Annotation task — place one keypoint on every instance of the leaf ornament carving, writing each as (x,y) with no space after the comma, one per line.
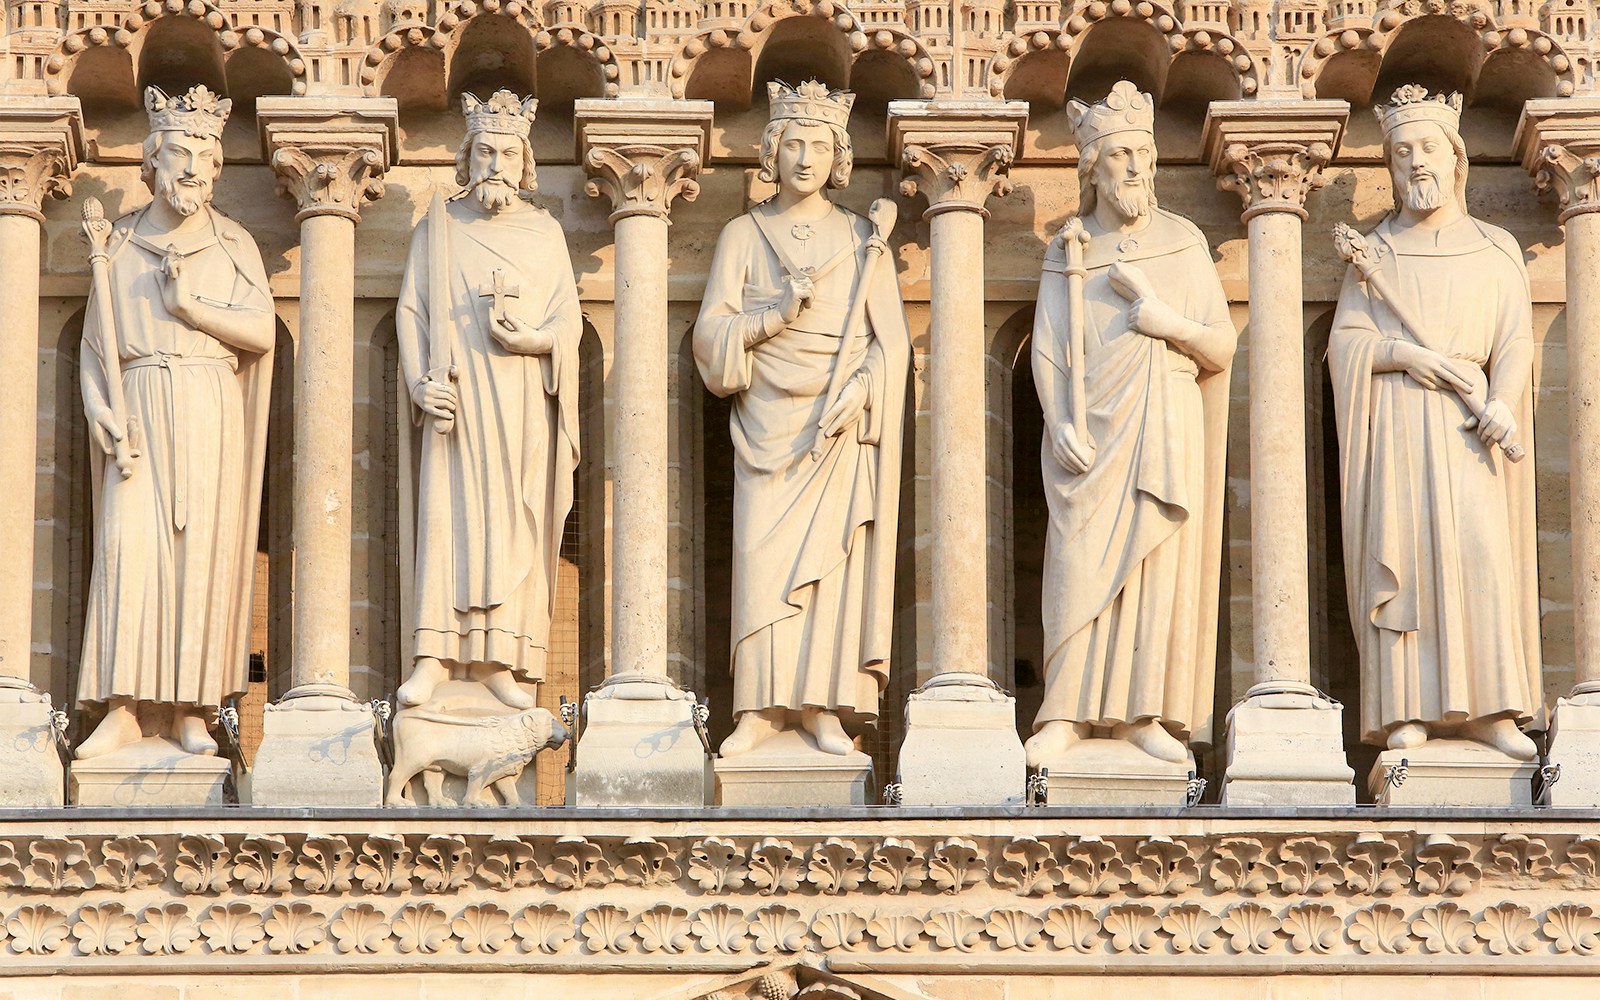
(1583,860)
(1072,928)
(1192,928)
(263,864)
(10,867)
(361,929)
(483,928)
(106,929)
(897,866)
(839,929)
(166,930)
(901,931)
(1379,929)
(777,928)
(1012,928)
(232,928)
(663,928)
(1444,867)
(954,929)
(1029,868)
(1445,929)
(444,863)
(647,862)
(544,928)
(1517,854)
(1376,866)
(293,928)
(1239,865)
(606,928)
(508,864)
(384,864)
(955,864)
(39,929)
(202,865)
(130,863)
(720,928)
(717,865)
(1507,929)
(1251,928)
(1307,867)
(1166,866)
(420,928)
(326,864)
(58,864)
(1312,927)
(1574,928)
(774,867)
(1132,927)
(836,867)
(1094,868)
(575,863)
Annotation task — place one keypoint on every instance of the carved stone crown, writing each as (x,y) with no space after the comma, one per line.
(199,113)
(811,101)
(1413,103)
(1125,109)
(503,113)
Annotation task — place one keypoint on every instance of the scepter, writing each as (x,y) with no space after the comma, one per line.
(98,231)
(441,363)
(1355,249)
(882,213)
(1074,238)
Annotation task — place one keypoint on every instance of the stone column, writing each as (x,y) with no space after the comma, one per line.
(639,746)
(329,155)
(41,141)
(961,745)
(1285,739)
(1558,141)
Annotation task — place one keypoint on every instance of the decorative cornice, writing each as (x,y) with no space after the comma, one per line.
(956,153)
(1558,142)
(41,142)
(643,154)
(330,154)
(1271,153)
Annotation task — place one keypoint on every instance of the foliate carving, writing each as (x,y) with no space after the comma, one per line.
(543,928)
(1574,929)
(30,173)
(1274,176)
(1029,868)
(1239,865)
(202,865)
(1132,927)
(106,929)
(1445,929)
(777,928)
(897,866)
(384,864)
(1072,928)
(1094,868)
(484,928)
(58,864)
(1167,867)
(1517,854)
(898,931)
(420,928)
(719,928)
(836,867)
(575,863)
(507,864)
(647,862)
(263,864)
(10,867)
(774,867)
(955,864)
(130,863)
(293,928)
(607,929)
(839,929)
(957,176)
(717,865)
(1312,927)
(326,864)
(443,863)
(663,928)
(1251,928)
(1583,859)
(361,929)
(1507,929)
(1307,867)
(329,179)
(1444,867)
(167,929)
(1379,929)
(1192,928)
(1376,866)
(233,928)
(1572,171)
(1011,928)
(955,929)
(641,179)
(39,929)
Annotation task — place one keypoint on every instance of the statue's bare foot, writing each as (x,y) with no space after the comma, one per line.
(753,729)
(502,684)
(427,674)
(1502,733)
(190,732)
(119,728)
(1152,737)
(1408,736)
(828,731)
(1053,739)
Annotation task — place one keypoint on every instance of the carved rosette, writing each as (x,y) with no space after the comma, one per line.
(957,176)
(1274,176)
(329,179)
(642,179)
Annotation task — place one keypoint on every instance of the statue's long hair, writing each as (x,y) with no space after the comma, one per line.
(843,154)
(526,184)
(1088,159)
(1456,143)
(152,145)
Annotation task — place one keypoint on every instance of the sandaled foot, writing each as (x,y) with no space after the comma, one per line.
(1503,735)
(1053,739)
(1152,737)
(1407,736)
(427,674)
(189,732)
(752,730)
(828,731)
(502,684)
(119,728)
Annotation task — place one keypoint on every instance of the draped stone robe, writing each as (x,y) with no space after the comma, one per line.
(1133,548)
(813,541)
(492,494)
(168,616)
(1440,562)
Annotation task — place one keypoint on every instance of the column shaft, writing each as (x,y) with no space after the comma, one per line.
(1583,382)
(639,498)
(19,359)
(957,413)
(1278,554)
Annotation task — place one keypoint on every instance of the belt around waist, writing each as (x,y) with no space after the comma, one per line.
(176,361)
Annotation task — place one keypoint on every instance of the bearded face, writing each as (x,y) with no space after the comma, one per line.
(185,169)
(1422,165)
(1124,174)
(495,164)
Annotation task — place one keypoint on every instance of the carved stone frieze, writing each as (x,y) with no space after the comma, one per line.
(330,155)
(41,142)
(1558,143)
(1272,153)
(956,153)
(643,154)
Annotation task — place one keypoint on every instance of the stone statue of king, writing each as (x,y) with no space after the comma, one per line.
(1432,356)
(1131,347)
(816,358)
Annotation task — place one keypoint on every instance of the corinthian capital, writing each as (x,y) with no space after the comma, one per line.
(956,153)
(1558,142)
(330,154)
(41,141)
(1272,152)
(643,154)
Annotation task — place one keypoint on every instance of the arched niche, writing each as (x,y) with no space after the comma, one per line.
(1438,52)
(1119,48)
(491,52)
(176,53)
(721,75)
(1040,78)
(798,49)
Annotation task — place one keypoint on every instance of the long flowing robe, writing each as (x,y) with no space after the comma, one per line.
(492,495)
(1439,550)
(1134,545)
(813,541)
(168,616)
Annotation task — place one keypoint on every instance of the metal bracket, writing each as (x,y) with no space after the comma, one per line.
(383,731)
(1193,790)
(569,718)
(1037,787)
(1395,775)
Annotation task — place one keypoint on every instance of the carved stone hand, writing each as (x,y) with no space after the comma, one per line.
(520,337)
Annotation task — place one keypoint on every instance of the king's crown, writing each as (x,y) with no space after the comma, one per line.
(1412,102)
(1125,109)
(199,113)
(504,113)
(811,101)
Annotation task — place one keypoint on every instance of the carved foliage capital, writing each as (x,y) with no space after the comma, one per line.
(329,178)
(1572,170)
(957,176)
(30,172)
(1274,176)
(642,179)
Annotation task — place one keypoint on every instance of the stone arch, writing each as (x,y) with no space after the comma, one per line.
(725,65)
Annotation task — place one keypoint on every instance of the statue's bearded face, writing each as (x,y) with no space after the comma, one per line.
(185,168)
(1124,173)
(495,164)
(805,157)
(1422,164)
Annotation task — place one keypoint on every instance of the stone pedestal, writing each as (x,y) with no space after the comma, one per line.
(1575,745)
(789,770)
(1287,749)
(1105,772)
(151,772)
(1454,773)
(317,748)
(30,764)
(961,745)
(639,748)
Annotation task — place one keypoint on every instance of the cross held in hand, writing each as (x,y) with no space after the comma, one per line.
(498,291)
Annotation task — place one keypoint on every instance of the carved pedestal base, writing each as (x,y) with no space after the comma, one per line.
(1287,749)
(1106,772)
(639,748)
(961,745)
(789,770)
(317,749)
(1453,773)
(151,772)
(1575,745)
(30,766)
